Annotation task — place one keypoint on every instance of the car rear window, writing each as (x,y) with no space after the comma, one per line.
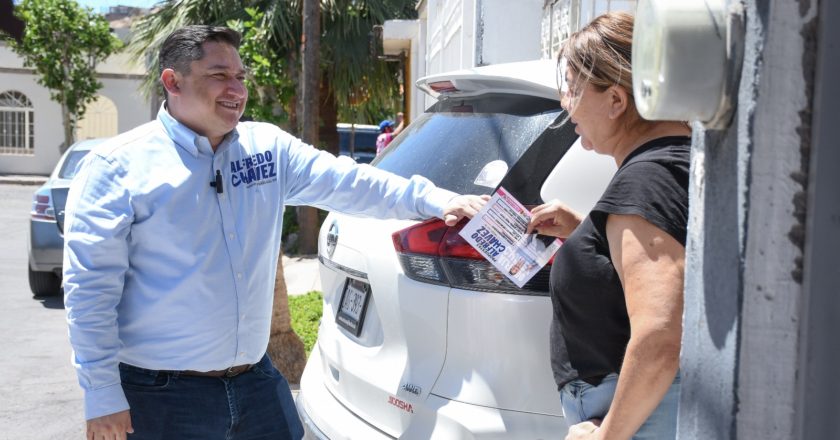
(71,164)
(455,139)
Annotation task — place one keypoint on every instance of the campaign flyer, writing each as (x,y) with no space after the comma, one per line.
(498,233)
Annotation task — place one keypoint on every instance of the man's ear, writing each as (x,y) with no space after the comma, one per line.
(619,100)
(171,81)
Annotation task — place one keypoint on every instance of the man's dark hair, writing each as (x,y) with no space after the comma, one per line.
(183,46)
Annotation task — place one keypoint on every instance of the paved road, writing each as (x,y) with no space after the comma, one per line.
(41,398)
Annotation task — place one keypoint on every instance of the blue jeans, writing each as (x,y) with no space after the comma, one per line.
(253,405)
(582,401)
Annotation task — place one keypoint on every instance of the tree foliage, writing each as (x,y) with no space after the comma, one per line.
(63,42)
(364,89)
(268,79)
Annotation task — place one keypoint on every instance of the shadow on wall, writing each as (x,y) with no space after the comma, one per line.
(721,256)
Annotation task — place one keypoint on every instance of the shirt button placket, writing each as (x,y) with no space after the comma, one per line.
(229,231)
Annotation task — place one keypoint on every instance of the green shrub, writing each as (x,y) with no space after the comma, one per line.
(306,315)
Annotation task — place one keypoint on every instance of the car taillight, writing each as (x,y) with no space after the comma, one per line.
(443,86)
(42,207)
(417,247)
(432,252)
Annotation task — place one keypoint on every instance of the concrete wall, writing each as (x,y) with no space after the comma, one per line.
(506,34)
(744,273)
(461,34)
(403,37)
(8,58)
(819,392)
(132,107)
(451,35)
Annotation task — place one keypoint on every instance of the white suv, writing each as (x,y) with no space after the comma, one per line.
(421,337)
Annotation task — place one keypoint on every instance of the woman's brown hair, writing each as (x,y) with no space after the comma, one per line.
(599,53)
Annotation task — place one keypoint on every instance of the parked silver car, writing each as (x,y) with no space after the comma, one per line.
(46,220)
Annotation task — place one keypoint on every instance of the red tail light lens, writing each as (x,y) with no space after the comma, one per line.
(454,246)
(443,86)
(42,208)
(423,238)
(432,252)
(417,247)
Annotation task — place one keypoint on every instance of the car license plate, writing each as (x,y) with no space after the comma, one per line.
(353,305)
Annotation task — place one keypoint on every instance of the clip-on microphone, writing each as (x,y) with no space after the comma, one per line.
(218,183)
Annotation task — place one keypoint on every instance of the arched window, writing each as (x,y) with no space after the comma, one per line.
(17,124)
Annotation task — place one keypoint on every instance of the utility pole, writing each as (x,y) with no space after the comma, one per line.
(310,50)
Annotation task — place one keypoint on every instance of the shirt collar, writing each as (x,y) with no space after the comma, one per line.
(189,140)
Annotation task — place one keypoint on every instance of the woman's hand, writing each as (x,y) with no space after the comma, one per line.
(554,218)
(587,430)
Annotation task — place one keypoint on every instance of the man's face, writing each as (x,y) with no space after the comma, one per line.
(211,98)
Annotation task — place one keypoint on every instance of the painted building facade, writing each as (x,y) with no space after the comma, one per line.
(31,133)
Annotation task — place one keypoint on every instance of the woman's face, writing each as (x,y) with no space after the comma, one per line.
(589,110)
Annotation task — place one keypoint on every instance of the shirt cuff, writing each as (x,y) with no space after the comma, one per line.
(103,401)
(436,202)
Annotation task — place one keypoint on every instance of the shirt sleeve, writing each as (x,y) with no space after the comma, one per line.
(317,178)
(650,190)
(97,225)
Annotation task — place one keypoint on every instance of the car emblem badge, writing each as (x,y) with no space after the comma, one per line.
(332,239)
(411,388)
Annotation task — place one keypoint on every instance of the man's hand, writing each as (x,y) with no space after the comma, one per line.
(463,206)
(112,426)
(587,430)
(554,219)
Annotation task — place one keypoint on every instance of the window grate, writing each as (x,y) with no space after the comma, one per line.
(17,124)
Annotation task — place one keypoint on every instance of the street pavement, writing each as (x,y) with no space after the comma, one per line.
(42,399)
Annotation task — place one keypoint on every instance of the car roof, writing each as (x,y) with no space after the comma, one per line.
(87,144)
(533,78)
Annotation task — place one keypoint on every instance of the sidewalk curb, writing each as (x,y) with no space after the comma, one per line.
(301,273)
(23,180)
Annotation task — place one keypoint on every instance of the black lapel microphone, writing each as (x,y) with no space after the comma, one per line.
(218,183)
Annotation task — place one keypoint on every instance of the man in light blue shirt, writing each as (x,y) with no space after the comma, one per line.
(172,239)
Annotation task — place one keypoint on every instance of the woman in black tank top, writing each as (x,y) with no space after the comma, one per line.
(617,281)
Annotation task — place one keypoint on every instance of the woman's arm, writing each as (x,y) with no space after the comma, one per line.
(650,264)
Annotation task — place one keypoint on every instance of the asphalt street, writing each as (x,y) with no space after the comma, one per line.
(41,397)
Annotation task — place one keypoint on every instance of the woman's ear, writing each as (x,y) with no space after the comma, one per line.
(619,99)
(169,78)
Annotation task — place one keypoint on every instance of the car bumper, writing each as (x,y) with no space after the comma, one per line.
(324,417)
(46,246)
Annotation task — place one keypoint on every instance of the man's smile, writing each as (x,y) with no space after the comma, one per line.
(233,105)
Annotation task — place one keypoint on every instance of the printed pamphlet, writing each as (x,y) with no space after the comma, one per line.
(498,233)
